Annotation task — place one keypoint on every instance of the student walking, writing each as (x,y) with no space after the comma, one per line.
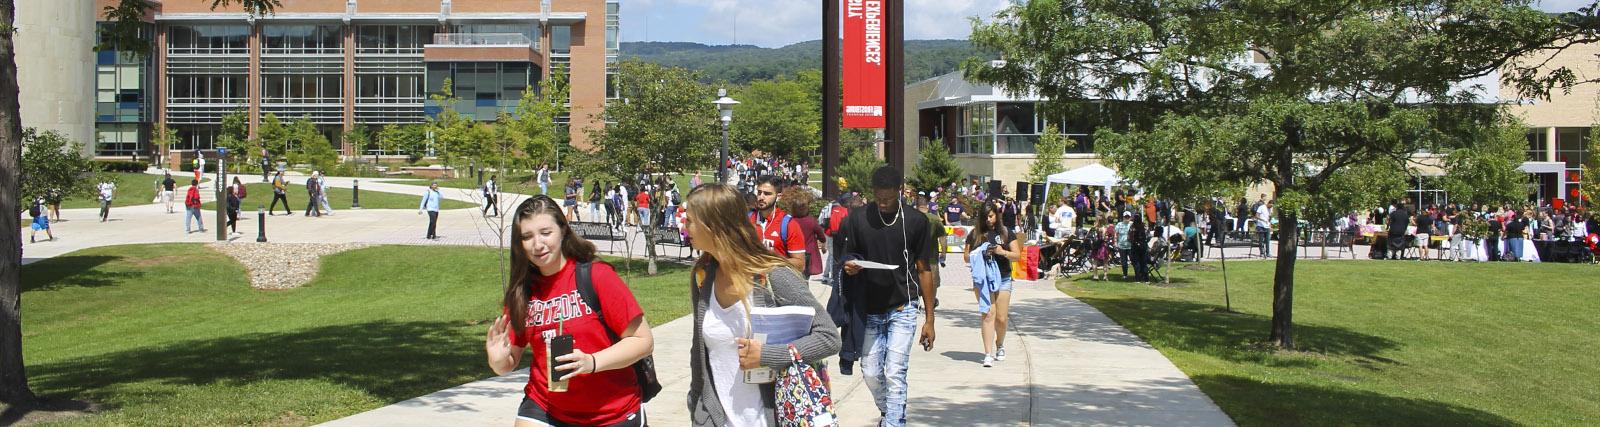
(543,177)
(279,192)
(995,246)
(191,204)
(322,191)
(594,201)
(41,220)
(885,307)
(266,164)
(546,304)
(167,185)
(106,190)
(313,194)
(491,196)
(430,204)
(235,193)
(735,273)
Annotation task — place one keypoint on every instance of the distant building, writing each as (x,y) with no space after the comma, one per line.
(349,63)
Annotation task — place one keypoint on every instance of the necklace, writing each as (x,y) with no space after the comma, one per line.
(889,223)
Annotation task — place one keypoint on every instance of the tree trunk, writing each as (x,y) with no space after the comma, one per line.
(649,245)
(1283,281)
(13,379)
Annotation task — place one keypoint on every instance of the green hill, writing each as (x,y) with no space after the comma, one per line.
(740,64)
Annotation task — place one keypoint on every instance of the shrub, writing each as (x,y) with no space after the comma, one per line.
(121,166)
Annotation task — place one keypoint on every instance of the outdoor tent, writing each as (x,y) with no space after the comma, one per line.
(1094,175)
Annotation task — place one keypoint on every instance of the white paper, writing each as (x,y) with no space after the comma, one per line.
(781,325)
(873,265)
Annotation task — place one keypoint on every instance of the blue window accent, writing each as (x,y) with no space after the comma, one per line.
(106,57)
(128,105)
(105,118)
(486,102)
(432,110)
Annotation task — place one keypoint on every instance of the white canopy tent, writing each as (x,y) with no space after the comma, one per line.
(1094,175)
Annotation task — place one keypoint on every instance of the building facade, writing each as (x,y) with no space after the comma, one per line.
(343,64)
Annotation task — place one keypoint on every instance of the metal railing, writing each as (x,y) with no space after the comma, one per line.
(481,39)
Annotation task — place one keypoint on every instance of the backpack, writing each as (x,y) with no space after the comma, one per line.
(33,209)
(242,192)
(644,369)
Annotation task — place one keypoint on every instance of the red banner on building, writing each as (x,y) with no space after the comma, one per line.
(862,50)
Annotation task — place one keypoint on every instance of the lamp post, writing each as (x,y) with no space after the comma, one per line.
(725,107)
(222,198)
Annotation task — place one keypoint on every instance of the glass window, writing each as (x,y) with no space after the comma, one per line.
(560,39)
(1536,146)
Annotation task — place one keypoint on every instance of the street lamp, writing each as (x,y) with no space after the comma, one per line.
(725,107)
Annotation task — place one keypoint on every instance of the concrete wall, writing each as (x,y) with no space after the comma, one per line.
(55,67)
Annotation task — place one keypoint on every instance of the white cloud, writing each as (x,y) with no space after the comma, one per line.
(946,19)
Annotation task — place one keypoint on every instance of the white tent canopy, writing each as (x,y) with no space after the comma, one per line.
(1094,174)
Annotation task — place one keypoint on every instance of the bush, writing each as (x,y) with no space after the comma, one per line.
(355,169)
(121,166)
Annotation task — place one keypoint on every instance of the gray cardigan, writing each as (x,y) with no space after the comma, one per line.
(790,289)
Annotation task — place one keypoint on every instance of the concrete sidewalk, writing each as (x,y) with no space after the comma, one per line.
(1067,365)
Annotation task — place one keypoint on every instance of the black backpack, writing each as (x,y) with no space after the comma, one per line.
(644,369)
(33,208)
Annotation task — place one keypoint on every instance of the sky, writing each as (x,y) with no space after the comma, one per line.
(777,23)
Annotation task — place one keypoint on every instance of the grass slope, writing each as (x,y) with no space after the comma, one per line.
(172,334)
(1380,343)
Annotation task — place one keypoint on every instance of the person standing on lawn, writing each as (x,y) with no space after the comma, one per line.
(430,204)
(542,302)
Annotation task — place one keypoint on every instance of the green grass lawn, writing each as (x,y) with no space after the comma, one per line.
(258,193)
(1379,343)
(132,189)
(172,334)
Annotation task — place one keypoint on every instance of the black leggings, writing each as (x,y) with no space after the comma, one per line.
(532,412)
(275,198)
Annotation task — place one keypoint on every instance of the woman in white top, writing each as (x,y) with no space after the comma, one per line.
(737,273)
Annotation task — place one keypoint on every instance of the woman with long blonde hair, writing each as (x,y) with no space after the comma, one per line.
(735,273)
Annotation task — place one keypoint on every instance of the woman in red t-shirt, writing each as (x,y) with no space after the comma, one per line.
(542,301)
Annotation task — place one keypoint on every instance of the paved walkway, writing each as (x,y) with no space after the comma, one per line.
(1068,364)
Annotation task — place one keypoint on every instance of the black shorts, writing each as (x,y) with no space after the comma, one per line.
(530,411)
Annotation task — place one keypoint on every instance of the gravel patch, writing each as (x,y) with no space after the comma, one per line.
(277,266)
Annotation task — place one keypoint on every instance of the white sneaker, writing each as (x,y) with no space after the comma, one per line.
(1000,353)
(988,361)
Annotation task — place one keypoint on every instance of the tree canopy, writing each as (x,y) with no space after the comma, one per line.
(781,116)
(1270,91)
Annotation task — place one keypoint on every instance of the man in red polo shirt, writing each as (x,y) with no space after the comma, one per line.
(771,222)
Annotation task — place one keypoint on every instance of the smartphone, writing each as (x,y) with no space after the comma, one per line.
(560,345)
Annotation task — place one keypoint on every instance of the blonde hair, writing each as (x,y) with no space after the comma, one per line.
(728,236)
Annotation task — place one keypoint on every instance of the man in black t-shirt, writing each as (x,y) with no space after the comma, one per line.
(1399,219)
(882,304)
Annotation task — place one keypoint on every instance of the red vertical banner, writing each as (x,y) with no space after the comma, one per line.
(862,50)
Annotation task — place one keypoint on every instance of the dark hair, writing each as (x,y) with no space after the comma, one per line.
(520,286)
(886,177)
(777,184)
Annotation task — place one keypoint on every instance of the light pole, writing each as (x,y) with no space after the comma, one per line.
(725,107)
(222,198)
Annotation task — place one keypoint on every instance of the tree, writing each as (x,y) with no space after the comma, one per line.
(665,124)
(357,139)
(408,139)
(162,138)
(311,146)
(935,167)
(1286,93)
(234,136)
(450,129)
(273,135)
(126,15)
(1049,152)
(533,129)
(51,163)
(1484,170)
(1589,181)
(859,162)
(778,116)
